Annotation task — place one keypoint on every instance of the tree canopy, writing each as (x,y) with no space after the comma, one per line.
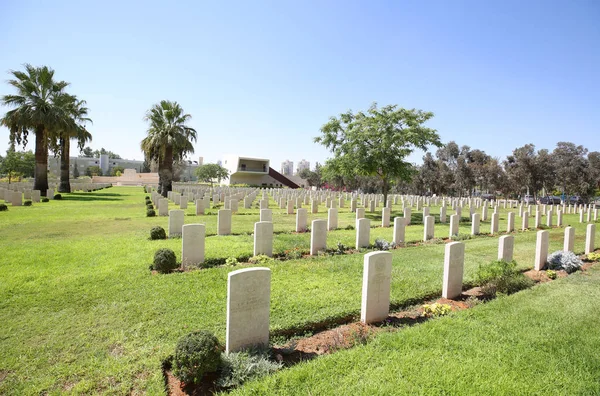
(377,142)
(210,172)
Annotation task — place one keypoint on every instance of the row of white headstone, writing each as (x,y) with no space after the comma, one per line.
(248,290)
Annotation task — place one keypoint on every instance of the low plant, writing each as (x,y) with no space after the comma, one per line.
(561,260)
(382,244)
(196,354)
(594,256)
(231,262)
(461,237)
(149,206)
(293,254)
(260,259)
(501,277)
(243,366)
(27,203)
(3,208)
(349,227)
(165,261)
(45,199)
(150,213)
(57,197)
(158,233)
(436,309)
(551,274)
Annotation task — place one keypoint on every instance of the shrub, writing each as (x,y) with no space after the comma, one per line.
(27,203)
(147,198)
(45,199)
(382,244)
(150,213)
(461,237)
(501,277)
(3,207)
(436,309)
(260,259)
(349,227)
(149,206)
(551,274)
(594,256)
(292,254)
(239,367)
(196,354)
(561,260)
(158,233)
(231,261)
(57,196)
(165,261)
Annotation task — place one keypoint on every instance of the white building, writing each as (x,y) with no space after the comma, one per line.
(254,172)
(304,164)
(287,168)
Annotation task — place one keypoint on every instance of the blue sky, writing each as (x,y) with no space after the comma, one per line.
(261,78)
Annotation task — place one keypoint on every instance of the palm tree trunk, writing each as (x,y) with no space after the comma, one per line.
(64,186)
(41,161)
(166,173)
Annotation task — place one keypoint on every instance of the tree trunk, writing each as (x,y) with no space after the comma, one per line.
(385,189)
(166,172)
(41,161)
(64,186)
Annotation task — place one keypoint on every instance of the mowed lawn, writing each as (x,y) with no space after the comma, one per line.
(80,311)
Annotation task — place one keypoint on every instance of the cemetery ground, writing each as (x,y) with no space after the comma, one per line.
(82,313)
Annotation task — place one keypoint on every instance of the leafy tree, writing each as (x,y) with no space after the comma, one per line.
(87,152)
(17,164)
(117,169)
(314,178)
(377,142)
(36,109)
(102,151)
(93,170)
(75,170)
(572,168)
(146,166)
(210,172)
(169,139)
(522,168)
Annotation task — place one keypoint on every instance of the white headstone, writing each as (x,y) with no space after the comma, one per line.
(224,222)
(428,232)
(263,238)
(454,225)
(541,250)
(569,243)
(506,245)
(454,260)
(399,230)
(377,275)
(385,217)
(199,207)
(192,244)
(301,217)
(248,306)
(176,219)
(475,223)
(318,236)
(266,215)
(589,238)
(363,230)
(332,219)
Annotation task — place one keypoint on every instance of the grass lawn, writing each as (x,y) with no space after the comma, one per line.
(541,341)
(82,313)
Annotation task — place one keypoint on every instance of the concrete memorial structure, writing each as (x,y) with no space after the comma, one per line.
(377,275)
(589,238)
(301,218)
(569,242)
(475,223)
(428,230)
(248,308)
(266,215)
(332,219)
(363,232)
(399,230)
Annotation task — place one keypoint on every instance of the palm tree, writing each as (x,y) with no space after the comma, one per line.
(37,110)
(76,130)
(169,139)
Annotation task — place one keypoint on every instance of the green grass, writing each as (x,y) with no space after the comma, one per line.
(541,341)
(82,313)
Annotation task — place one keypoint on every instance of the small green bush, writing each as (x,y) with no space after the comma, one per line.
(561,260)
(45,199)
(27,203)
(551,274)
(436,309)
(461,237)
(231,261)
(240,367)
(501,277)
(158,233)
(3,207)
(165,261)
(594,256)
(149,206)
(196,354)
(147,198)
(150,213)
(260,259)
(382,244)
(57,197)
